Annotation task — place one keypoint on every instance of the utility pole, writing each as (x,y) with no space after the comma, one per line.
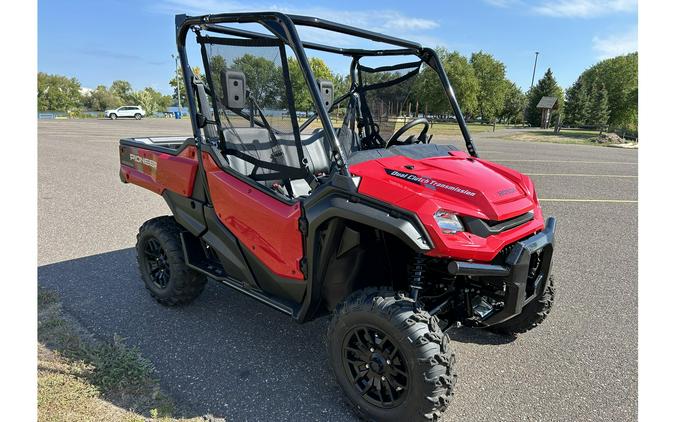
(536,55)
(180,109)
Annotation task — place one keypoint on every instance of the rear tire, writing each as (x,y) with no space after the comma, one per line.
(162,264)
(137,116)
(532,315)
(113,116)
(377,334)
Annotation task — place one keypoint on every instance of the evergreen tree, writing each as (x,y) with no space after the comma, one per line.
(546,87)
(577,105)
(599,113)
(619,75)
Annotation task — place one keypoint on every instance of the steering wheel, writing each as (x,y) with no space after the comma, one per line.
(411,139)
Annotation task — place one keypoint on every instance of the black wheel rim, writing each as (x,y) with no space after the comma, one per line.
(376,366)
(157,263)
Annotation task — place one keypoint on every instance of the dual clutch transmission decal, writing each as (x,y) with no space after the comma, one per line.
(428,182)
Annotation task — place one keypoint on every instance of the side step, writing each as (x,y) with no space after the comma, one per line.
(198,261)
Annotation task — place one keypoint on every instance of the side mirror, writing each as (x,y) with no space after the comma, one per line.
(326,89)
(201,121)
(234,89)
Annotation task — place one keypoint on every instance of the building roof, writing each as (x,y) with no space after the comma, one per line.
(548,102)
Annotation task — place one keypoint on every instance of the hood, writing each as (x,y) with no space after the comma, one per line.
(456,182)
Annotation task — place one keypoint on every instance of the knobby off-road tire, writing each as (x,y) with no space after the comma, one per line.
(422,352)
(162,265)
(533,314)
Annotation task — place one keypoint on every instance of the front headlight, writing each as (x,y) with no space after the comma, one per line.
(448,222)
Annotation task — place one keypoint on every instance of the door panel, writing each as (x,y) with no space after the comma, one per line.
(266,226)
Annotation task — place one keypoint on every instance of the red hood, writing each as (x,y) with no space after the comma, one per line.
(457,182)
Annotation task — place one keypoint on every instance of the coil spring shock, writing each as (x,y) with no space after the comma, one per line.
(416,276)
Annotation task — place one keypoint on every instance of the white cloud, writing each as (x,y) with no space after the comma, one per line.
(377,20)
(584,8)
(615,44)
(570,8)
(502,3)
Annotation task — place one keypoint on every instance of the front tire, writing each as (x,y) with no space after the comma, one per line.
(392,360)
(137,116)
(162,264)
(532,315)
(113,116)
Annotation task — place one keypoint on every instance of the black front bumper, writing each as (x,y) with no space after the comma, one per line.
(521,286)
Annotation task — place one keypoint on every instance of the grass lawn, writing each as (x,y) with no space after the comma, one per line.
(451,130)
(82,379)
(566,136)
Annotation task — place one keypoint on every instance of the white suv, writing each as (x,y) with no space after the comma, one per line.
(126,111)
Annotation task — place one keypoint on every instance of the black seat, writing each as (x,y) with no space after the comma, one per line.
(256,142)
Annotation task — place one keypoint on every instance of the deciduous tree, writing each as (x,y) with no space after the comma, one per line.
(514,104)
(492,84)
(123,90)
(58,93)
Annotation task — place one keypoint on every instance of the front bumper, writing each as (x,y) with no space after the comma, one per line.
(521,286)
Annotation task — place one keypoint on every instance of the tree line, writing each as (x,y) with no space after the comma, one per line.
(604,95)
(60,93)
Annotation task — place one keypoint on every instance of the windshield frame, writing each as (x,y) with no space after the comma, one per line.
(283,28)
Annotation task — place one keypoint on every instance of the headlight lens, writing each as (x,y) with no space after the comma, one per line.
(448,222)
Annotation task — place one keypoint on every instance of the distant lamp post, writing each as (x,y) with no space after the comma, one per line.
(175,57)
(534,70)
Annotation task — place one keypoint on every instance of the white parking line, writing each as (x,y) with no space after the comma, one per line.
(583,175)
(609,201)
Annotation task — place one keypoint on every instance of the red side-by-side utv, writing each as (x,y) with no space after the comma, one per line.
(326,196)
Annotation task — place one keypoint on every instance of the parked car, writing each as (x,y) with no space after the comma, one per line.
(127,111)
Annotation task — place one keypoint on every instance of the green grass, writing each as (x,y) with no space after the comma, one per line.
(83,379)
(567,136)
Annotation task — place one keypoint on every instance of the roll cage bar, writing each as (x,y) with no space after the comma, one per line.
(284,29)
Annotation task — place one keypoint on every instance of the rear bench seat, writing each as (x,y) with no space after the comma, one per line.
(256,143)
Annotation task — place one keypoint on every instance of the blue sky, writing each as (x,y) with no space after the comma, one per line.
(99,42)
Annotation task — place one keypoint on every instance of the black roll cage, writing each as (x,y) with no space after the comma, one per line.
(284,29)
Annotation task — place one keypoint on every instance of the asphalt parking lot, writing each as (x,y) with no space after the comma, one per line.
(230,356)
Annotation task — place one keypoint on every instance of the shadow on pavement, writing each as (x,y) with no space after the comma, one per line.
(225,354)
(478,336)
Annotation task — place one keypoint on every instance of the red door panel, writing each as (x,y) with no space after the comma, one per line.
(265,225)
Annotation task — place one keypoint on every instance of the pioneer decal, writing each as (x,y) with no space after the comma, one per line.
(143,160)
(428,182)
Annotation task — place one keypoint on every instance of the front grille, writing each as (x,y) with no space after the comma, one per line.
(485,228)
